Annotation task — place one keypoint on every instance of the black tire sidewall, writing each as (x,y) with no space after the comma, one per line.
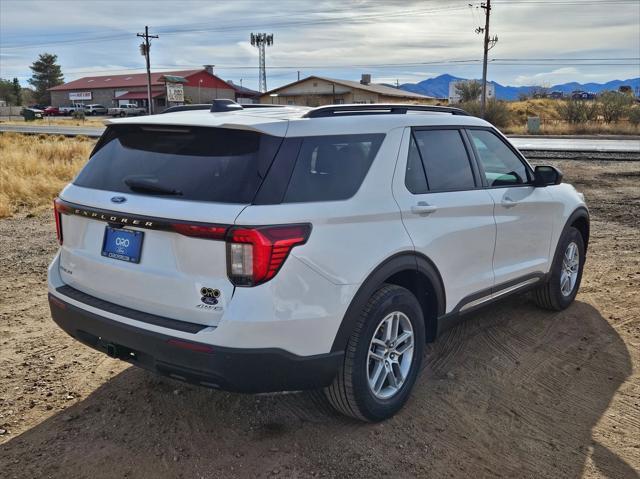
(373,408)
(570,235)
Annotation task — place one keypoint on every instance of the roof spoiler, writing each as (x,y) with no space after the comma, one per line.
(379,109)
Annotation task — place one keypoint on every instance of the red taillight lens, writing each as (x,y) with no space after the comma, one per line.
(255,255)
(59,208)
(216,232)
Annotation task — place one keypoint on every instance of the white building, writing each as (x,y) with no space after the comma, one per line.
(454,97)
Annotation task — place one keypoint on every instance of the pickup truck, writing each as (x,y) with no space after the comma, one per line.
(127,109)
(68,110)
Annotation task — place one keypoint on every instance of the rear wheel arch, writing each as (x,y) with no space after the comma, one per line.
(412,271)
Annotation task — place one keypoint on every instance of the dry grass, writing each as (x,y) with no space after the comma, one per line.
(544,108)
(33,169)
(564,128)
(60,121)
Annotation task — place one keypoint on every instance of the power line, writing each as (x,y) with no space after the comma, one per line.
(628,61)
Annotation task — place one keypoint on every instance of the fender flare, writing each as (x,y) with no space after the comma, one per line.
(405,261)
(580,212)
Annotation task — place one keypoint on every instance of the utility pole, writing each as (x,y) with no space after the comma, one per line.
(299,76)
(262,40)
(144,50)
(489,43)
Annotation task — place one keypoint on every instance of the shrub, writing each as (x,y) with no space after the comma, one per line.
(78,114)
(614,105)
(634,115)
(578,111)
(496,112)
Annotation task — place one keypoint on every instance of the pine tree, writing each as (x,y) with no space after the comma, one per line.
(17,91)
(46,74)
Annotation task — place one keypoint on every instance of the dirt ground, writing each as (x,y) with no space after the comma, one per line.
(512,392)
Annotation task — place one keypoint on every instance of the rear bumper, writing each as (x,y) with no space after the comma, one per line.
(231,369)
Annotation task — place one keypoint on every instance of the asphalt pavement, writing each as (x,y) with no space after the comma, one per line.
(534,143)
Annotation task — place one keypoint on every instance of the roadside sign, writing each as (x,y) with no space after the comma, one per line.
(175,92)
(80,95)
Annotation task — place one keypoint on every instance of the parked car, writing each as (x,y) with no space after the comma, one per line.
(70,109)
(293,248)
(95,109)
(51,111)
(30,114)
(37,107)
(127,109)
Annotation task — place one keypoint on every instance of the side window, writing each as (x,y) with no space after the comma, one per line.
(445,159)
(415,179)
(331,167)
(501,165)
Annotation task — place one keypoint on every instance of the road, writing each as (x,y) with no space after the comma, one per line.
(522,143)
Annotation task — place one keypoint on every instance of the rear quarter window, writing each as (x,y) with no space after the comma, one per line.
(330,168)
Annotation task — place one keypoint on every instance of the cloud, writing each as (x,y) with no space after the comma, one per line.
(324,37)
(555,76)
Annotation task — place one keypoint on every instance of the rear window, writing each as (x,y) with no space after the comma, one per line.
(190,163)
(331,167)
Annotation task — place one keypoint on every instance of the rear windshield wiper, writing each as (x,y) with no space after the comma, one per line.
(150,185)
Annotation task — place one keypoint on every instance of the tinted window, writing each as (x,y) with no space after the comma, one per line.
(445,160)
(331,167)
(501,165)
(415,179)
(201,164)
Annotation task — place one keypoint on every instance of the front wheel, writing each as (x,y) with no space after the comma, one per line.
(382,358)
(565,275)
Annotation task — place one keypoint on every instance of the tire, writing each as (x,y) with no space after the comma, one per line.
(122,114)
(351,393)
(551,295)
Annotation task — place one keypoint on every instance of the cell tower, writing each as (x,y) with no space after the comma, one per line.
(262,40)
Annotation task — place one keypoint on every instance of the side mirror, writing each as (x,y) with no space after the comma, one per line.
(545,175)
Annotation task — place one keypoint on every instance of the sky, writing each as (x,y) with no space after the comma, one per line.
(540,42)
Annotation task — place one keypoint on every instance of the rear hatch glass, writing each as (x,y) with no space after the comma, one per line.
(185,163)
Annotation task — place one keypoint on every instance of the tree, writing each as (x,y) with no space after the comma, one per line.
(17,91)
(469,90)
(6,91)
(46,74)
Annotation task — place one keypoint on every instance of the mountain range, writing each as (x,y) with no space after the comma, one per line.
(439,87)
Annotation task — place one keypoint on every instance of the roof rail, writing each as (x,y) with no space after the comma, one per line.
(378,109)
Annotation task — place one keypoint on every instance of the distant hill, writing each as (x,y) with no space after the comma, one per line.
(439,87)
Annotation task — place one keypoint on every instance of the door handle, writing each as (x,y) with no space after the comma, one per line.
(508,202)
(423,208)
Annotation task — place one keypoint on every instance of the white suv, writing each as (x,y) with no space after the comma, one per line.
(276,249)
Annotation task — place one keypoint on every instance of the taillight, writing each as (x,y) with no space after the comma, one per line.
(215,232)
(59,208)
(255,255)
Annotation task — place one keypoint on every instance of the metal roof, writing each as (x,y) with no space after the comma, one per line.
(123,81)
(371,87)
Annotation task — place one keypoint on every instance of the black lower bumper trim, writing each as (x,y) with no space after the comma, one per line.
(231,369)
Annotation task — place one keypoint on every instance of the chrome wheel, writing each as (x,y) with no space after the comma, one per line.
(390,355)
(570,266)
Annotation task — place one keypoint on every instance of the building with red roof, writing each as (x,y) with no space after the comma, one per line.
(200,86)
